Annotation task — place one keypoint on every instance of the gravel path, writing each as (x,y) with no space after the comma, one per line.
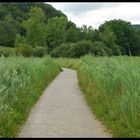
(62,112)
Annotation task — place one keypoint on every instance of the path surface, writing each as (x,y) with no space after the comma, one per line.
(62,112)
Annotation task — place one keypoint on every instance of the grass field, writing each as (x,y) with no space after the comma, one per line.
(111,86)
(22,81)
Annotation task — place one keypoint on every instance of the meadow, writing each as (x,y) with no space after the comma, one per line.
(110,80)
(22,81)
(111,89)
(110,86)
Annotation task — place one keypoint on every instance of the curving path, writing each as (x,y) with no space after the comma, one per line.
(62,112)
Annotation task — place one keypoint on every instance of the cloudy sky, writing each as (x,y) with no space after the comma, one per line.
(94,14)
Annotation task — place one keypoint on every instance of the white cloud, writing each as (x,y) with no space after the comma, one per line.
(99,14)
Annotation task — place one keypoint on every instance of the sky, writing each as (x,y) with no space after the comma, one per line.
(96,13)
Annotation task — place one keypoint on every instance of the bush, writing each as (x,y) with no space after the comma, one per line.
(24,50)
(40,51)
(101,49)
(81,48)
(77,49)
(64,50)
(19,40)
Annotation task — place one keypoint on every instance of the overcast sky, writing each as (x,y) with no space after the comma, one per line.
(94,14)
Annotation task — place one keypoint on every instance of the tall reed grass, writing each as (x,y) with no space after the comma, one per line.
(22,81)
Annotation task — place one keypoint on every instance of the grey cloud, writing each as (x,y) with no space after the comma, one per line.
(80,8)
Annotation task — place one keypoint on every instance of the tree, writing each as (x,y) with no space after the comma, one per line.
(56,31)
(137,49)
(8,31)
(35,27)
(89,33)
(71,32)
(109,38)
(125,35)
(81,48)
(3,12)
(83,31)
(95,35)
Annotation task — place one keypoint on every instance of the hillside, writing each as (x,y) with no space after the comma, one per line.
(20,10)
(13,14)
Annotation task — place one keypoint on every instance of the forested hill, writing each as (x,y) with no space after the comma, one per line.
(38,29)
(21,9)
(13,14)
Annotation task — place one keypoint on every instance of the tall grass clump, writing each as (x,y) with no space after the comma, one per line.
(71,63)
(22,81)
(112,89)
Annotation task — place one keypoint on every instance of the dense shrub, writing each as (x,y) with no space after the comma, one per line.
(101,49)
(77,49)
(81,48)
(40,51)
(64,50)
(24,50)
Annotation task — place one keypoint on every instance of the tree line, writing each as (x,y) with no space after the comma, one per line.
(38,28)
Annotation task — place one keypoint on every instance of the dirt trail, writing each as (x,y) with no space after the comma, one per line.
(62,112)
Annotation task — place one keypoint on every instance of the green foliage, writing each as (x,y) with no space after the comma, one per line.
(39,24)
(72,33)
(118,37)
(24,50)
(55,31)
(64,50)
(40,51)
(81,48)
(19,40)
(137,50)
(77,49)
(125,35)
(19,12)
(88,32)
(8,31)
(100,49)
(21,84)
(28,51)
(95,35)
(35,27)
(109,38)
